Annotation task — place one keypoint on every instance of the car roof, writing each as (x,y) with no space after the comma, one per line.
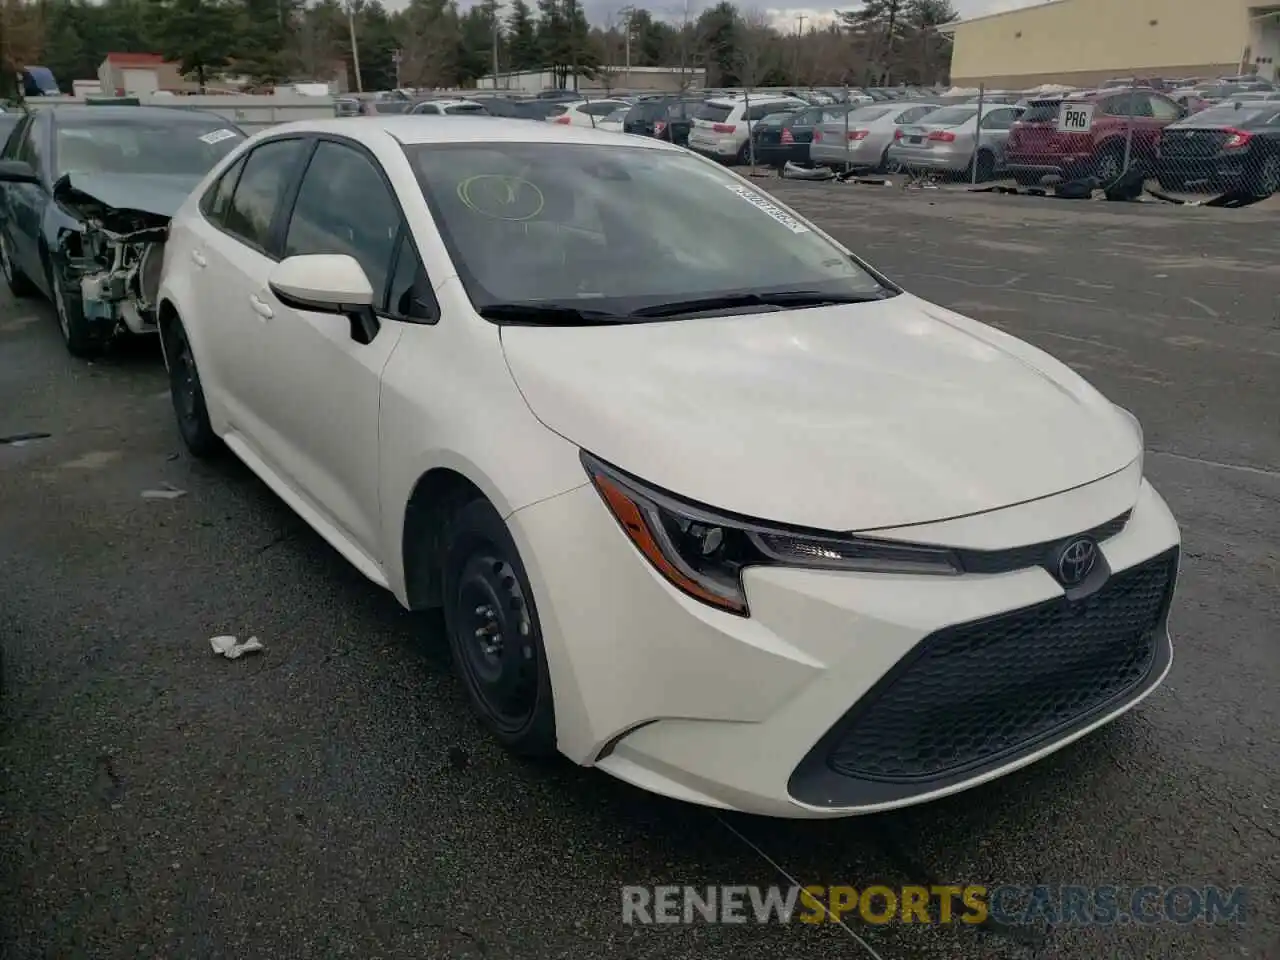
(464,128)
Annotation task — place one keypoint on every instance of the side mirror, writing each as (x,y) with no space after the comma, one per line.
(328,283)
(17,171)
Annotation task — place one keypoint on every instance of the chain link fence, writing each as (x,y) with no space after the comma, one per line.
(1121,139)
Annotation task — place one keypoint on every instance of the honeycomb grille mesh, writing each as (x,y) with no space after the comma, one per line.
(977,692)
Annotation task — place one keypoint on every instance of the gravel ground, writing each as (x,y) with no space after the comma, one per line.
(332,796)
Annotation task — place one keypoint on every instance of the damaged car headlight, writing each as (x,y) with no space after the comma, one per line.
(703,553)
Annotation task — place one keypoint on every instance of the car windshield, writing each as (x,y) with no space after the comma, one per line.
(949,116)
(612,230)
(714,112)
(152,147)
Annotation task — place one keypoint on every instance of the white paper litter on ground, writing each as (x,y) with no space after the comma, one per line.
(166,491)
(229,648)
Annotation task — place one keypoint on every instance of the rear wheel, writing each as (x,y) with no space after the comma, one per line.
(1109,165)
(494,633)
(1266,178)
(187,393)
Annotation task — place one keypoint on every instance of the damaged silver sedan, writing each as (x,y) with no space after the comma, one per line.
(86,193)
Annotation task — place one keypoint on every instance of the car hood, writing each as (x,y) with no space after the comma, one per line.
(158,194)
(855,417)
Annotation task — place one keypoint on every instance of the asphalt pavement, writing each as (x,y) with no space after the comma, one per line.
(333,797)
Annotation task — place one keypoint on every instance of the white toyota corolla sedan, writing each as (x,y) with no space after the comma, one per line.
(708,502)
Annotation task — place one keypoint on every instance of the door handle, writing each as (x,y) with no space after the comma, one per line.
(260,307)
(198,258)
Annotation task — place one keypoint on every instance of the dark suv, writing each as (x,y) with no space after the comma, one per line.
(1085,134)
(667,118)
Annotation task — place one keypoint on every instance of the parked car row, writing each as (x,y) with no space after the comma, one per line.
(435,342)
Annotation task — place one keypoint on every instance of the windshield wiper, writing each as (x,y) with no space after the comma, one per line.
(783,298)
(547,314)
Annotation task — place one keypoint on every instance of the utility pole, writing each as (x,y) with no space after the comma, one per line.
(396,56)
(355,49)
(628,12)
(494,6)
(795,69)
(573,42)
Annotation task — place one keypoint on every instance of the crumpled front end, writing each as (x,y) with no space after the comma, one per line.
(113,261)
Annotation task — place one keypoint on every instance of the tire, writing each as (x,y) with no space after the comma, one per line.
(1266,179)
(80,337)
(744,155)
(1108,166)
(494,633)
(986,167)
(20,284)
(187,394)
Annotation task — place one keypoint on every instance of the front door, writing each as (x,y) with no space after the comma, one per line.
(319,405)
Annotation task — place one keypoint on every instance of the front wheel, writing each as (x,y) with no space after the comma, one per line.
(494,633)
(187,393)
(1109,166)
(80,337)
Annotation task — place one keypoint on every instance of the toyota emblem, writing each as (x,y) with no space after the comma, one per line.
(1077,561)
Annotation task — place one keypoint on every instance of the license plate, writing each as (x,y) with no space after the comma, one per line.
(915,139)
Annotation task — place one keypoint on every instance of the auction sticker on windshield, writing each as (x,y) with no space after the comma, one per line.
(217,136)
(1075,118)
(772,209)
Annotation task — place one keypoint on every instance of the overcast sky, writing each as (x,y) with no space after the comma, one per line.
(599,11)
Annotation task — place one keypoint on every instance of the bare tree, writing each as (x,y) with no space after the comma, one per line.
(755,54)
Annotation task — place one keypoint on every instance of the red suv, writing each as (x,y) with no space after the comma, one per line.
(1084,134)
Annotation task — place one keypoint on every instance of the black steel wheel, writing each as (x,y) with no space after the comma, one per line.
(187,393)
(494,633)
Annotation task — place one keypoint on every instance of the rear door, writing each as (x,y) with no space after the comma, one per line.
(234,260)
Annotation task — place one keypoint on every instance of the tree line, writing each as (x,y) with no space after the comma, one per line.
(435,44)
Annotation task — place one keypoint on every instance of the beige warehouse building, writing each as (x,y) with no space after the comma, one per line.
(1083,42)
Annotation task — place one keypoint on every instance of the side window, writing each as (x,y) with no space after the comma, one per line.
(217,198)
(1163,109)
(998,120)
(409,293)
(426,108)
(267,171)
(344,206)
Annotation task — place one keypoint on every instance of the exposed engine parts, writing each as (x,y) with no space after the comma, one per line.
(114,259)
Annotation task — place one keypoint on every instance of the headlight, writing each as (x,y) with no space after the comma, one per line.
(704,553)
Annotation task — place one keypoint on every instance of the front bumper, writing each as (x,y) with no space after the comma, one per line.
(769,714)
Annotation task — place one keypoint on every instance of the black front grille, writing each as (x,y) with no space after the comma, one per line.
(1191,143)
(973,694)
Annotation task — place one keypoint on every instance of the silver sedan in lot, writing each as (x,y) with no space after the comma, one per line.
(862,143)
(950,139)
